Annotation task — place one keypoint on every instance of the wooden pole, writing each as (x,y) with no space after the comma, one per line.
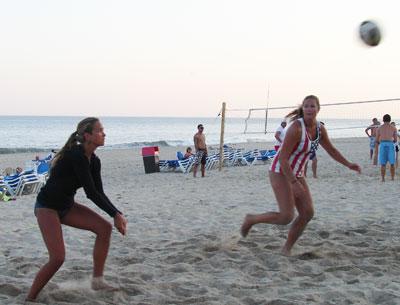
(221,139)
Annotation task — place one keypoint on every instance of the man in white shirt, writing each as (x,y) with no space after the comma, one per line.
(280,135)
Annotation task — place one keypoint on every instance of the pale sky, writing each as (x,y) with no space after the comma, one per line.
(184,58)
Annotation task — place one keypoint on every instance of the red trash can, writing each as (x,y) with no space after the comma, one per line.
(151,159)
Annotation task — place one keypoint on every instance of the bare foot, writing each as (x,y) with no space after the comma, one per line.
(246,226)
(30,300)
(285,252)
(98,283)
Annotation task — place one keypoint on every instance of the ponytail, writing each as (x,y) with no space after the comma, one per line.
(295,114)
(76,138)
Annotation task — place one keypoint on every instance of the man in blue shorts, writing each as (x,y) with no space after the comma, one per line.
(386,136)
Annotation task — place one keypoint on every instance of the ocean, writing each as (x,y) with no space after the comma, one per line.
(40,133)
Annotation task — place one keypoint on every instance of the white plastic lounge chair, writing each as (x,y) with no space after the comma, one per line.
(5,190)
(25,183)
(183,166)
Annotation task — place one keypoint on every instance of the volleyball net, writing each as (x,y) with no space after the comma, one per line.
(347,118)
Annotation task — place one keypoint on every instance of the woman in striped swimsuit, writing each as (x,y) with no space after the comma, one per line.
(286,172)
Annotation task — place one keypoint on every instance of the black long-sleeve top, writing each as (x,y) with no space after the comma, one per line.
(70,173)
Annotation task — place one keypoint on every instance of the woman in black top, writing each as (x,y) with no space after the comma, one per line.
(73,167)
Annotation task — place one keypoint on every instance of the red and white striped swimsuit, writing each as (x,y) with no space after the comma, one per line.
(300,153)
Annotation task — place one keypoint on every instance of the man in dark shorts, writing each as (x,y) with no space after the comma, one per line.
(201,151)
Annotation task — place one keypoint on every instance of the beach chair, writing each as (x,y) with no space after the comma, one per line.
(13,183)
(263,156)
(212,161)
(42,170)
(236,158)
(30,183)
(250,157)
(183,166)
(23,184)
(180,155)
(5,191)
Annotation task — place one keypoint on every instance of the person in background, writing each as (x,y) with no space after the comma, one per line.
(280,135)
(396,145)
(371,133)
(188,153)
(314,162)
(386,136)
(201,150)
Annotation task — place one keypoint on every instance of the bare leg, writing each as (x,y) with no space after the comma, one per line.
(203,170)
(284,196)
(371,153)
(84,218)
(392,170)
(314,167)
(305,209)
(195,169)
(50,226)
(305,169)
(383,172)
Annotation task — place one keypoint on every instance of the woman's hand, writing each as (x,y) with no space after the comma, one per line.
(355,167)
(120,223)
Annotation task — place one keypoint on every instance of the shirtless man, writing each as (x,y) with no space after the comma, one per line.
(280,135)
(386,136)
(201,150)
(372,137)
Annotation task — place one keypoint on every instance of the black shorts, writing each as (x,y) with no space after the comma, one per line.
(61,213)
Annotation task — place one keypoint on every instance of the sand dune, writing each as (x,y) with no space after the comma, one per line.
(184,247)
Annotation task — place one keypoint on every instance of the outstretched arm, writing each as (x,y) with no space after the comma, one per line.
(334,153)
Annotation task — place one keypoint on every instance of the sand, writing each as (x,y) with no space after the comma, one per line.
(183,245)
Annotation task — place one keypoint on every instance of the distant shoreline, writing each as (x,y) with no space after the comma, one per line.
(135,145)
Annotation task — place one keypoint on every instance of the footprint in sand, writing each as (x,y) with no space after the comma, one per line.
(323,234)
(308,256)
(211,248)
(9,289)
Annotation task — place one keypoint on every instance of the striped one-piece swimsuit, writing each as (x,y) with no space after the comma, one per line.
(301,152)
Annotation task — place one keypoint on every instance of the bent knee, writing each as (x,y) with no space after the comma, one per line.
(307,215)
(286,218)
(104,229)
(57,260)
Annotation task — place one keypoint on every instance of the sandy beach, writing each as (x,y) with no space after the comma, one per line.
(183,244)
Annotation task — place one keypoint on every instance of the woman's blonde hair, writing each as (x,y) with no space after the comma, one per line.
(298,112)
(77,137)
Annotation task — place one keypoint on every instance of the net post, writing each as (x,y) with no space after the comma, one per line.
(221,139)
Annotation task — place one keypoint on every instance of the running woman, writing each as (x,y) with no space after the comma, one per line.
(286,172)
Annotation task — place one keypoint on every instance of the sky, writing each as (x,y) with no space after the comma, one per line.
(184,58)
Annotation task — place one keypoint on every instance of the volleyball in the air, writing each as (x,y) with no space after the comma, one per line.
(370,33)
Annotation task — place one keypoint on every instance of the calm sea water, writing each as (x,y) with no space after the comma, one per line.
(31,133)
